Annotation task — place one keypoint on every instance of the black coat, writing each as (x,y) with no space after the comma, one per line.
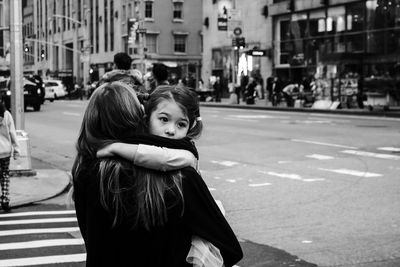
(163,246)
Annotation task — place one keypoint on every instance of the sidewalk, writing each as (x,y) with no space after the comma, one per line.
(45,184)
(262,104)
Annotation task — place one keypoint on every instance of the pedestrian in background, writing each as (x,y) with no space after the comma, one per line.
(160,76)
(8,146)
(217,89)
(122,72)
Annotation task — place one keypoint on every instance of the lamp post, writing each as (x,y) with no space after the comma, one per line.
(16,64)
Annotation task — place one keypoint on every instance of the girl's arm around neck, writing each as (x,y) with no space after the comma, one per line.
(152,157)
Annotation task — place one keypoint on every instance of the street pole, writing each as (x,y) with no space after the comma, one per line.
(16,64)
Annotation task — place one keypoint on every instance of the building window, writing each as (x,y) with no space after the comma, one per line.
(148,11)
(151,43)
(178,6)
(180,43)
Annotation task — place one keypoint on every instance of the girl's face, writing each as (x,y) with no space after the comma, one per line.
(168,120)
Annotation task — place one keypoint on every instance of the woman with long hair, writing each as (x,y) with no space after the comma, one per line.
(131,216)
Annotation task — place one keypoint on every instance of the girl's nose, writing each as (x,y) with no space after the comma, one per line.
(170,131)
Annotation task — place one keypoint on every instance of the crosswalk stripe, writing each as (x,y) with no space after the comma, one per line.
(371,154)
(43,260)
(42,243)
(38,231)
(353,172)
(37,213)
(47,220)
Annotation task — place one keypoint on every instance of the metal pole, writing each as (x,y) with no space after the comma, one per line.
(16,64)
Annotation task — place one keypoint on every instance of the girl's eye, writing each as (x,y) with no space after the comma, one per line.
(164,119)
(182,125)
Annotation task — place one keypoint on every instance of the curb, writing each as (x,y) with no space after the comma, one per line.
(376,113)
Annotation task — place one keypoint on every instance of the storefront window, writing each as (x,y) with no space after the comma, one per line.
(335,25)
(355,23)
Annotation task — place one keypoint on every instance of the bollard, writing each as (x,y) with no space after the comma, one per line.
(23,165)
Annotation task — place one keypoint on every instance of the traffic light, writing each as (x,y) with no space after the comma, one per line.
(26,48)
(42,54)
(241,42)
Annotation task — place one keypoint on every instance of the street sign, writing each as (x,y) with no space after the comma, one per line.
(232,25)
(257,53)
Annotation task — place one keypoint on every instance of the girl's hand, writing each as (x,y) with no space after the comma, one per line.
(106,151)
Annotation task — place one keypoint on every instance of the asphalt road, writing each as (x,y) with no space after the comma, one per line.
(322,187)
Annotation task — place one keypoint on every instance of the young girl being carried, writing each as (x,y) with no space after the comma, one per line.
(171,112)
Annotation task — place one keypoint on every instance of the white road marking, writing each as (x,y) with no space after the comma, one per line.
(313,179)
(38,231)
(306,241)
(322,143)
(43,260)
(220,206)
(42,243)
(319,157)
(371,154)
(211,189)
(225,163)
(293,176)
(353,172)
(72,114)
(257,185)
(231,180)
(34,213)
(391,149)
(48,220)
(283,161)
(217,177)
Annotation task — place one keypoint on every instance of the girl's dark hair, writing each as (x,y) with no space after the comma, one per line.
(114,113)
(186,99)
(2,108)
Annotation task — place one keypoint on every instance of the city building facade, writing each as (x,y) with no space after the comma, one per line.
(349,48)
(237,41)
(75,40)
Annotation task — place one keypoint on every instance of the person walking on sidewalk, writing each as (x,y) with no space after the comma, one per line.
(8,146)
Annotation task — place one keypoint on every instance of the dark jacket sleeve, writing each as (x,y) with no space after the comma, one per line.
(203,216)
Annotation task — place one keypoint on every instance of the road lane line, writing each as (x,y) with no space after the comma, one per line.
(293,176)
(43,260)
(38,231)
(353,172)
(258,185)
(322,143)
(37,213)
(42,243)
(226,163)
(49,220)
(391,149)
(319,157)
(72,114)
(371,154)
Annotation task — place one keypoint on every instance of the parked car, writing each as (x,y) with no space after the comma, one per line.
(33,93)
(55,89)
